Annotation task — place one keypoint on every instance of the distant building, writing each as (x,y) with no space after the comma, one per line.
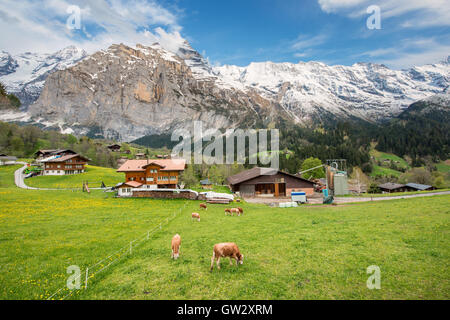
(114,147)
(419,187)
(267,182)
(140,156)
(41,154)
(206,184)
(64,164)
(7,160)
(394,187)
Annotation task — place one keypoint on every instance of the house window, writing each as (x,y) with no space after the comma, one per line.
(150,179)
(132,178)
(58,166)
(173,178)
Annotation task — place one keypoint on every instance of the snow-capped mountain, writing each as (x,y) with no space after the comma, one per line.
(128,92)
(311,90)
(24,74)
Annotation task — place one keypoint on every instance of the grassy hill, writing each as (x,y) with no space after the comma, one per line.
(382,171)
(94,175)
(308,252)
(443,166)
(386,158)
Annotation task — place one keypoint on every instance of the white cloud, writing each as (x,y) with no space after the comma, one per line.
(410,52)
(422,13)
(40,26)
(305,42)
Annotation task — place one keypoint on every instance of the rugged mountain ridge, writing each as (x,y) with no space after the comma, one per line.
(126,92)
(312,91)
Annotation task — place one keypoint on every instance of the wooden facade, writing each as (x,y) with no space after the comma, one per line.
(70,164)
(158,173)
(277,184)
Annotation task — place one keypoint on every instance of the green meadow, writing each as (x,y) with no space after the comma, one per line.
(93,175)
(309,252)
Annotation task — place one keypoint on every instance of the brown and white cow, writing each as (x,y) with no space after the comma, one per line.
(203,206)
(235,210)
(195,215)
(223,250)
(176,244)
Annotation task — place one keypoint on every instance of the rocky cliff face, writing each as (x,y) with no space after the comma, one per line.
(126,93)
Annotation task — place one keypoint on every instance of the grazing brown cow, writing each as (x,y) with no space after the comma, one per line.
(235,210)
(223,250)
(228,212)
(203,206)
(196,216)
(241,211)
(176,244)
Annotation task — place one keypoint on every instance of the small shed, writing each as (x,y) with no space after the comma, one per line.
(206,184)
(5,160)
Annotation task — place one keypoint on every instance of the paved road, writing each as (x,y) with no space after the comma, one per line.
(338,200)
(366,199)
(19,179)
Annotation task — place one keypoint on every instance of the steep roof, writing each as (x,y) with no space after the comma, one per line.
(256,172)
(165,164)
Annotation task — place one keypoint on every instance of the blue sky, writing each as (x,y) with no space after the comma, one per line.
(412,32)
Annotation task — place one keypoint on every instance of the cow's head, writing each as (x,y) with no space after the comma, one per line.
(176,255)
(241,259)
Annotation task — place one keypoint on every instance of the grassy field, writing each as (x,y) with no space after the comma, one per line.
(382,171)
(294,253)
(381,156)
(443,166)
(219,189)
(94,175)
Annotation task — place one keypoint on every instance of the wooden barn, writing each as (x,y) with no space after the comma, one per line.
(267,182)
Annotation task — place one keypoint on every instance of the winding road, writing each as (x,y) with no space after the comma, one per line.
(19,180)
